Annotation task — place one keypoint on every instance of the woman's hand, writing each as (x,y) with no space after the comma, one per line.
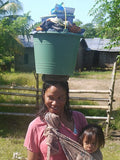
(32,155)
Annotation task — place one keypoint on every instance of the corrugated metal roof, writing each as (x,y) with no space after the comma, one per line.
(25,41)
(96,44)
(100,44)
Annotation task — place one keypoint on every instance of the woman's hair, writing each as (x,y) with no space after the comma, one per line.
(93,130)
(64,85)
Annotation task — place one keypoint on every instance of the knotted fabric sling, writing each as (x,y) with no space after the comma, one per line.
(72,149)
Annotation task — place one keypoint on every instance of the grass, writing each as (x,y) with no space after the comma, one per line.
(92,74)
(18,79)
(13,128)
(111,151)
(12,133)
(9,146)
(95,74)
(116,122)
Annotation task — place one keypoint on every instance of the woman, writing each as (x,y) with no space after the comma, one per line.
(55,99)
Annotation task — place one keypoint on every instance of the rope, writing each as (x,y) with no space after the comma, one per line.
(65,14)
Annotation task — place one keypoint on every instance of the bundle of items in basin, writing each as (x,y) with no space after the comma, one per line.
(65,13)
(56,44)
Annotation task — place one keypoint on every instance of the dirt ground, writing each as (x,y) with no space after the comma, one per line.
(97,84)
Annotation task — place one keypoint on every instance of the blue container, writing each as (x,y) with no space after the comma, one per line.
(69,17)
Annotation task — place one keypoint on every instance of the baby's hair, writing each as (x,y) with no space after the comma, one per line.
(93,130)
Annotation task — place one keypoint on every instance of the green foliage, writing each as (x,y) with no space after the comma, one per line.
(12,127)
(9,145)
(37,24)
(78,22)
(19,109)
(11,25)
(18,79)
(111,151)
(107,18)
(21,25)
(116,115)
(8,7)
(12,133)
(6,63)
(9,31)
(93,74)
(90,30)
(118,59)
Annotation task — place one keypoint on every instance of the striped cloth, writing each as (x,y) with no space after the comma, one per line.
(72,149)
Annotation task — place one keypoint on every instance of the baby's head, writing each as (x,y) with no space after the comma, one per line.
(92,138)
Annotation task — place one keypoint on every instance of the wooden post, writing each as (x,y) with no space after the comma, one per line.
(37,89)
(111,97)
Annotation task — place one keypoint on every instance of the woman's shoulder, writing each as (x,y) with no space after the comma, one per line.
(34,134)
(79,120)
(78,114)
(37,122)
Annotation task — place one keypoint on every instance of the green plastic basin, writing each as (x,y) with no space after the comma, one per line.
(55,53)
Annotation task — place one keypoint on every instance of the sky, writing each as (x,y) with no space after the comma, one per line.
(41,8)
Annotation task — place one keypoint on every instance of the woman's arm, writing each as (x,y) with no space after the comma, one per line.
(32,155)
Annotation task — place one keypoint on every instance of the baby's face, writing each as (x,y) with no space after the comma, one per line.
(91,146)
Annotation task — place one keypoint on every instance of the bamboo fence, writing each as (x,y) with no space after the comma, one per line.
(37,94)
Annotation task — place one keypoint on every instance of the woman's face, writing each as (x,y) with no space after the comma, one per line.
(55,99)
(90,146)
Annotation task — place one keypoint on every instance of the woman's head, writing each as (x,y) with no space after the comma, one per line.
(92,138)
(55,98)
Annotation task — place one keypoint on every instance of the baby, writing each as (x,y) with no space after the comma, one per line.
(92,139)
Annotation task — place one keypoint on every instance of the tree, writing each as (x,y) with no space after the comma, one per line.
(9,31)
(9,7)
(11,25)
(107,18)
(78,22)
(90,30)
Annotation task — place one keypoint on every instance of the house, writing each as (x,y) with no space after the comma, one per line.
(92,54)
(25,62)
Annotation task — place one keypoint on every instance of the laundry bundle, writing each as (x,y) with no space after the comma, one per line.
(60,11)
(60,20)
(57,24)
